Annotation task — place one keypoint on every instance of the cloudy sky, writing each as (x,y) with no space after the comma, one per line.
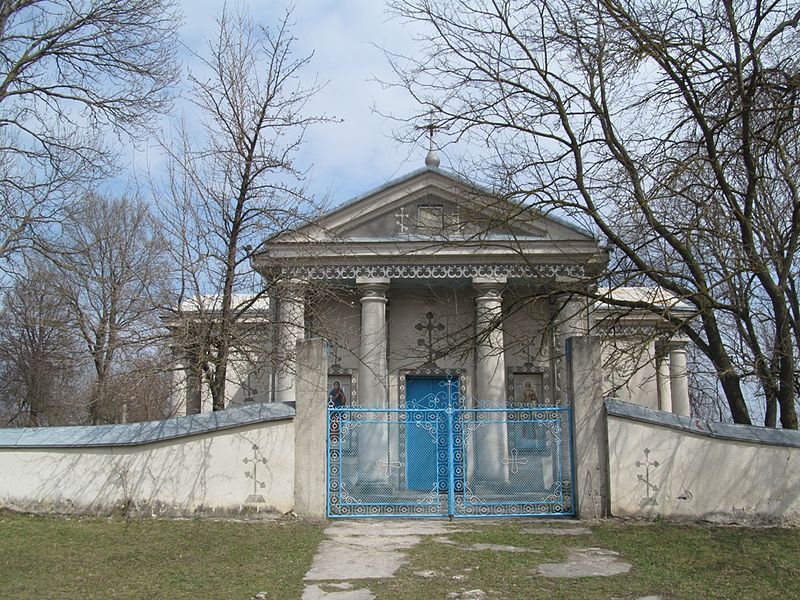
(346,37)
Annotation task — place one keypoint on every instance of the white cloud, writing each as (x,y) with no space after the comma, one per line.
(346,38)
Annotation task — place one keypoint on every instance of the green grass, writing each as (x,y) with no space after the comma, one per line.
(672,561)
(60,558)
(87,559)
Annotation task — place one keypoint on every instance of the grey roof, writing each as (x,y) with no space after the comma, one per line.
(212,303)
(655,296)
(135,434)
(723,431)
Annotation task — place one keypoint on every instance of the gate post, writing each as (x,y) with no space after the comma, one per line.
(310,431)
(585,378)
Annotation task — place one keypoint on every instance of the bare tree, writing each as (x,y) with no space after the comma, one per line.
(669,129)
(111,275)
(235,182)
(140,389)
(70,72)
(41,362)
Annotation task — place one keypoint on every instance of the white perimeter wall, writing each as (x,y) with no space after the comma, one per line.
(203,473)
(699,475)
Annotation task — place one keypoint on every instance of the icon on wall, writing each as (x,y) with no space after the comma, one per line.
(339,390)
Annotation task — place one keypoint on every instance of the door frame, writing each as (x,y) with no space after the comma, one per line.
(426,371)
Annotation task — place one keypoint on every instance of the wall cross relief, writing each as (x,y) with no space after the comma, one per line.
(428,325)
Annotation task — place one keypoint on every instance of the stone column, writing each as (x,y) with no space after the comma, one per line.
(206,399)
(663,380)
(679,380)
(195,386)
(291,326)
(491,452)
(573,317)
(373,381)
(177,398)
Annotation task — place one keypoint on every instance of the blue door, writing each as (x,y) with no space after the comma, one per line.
(428,434)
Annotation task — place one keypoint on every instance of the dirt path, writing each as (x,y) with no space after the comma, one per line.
(358,550)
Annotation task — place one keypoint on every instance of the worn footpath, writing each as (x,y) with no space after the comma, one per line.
(358,551)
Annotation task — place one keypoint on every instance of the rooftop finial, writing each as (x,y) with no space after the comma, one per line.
(432,159)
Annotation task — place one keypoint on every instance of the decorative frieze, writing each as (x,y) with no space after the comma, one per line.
(436,271)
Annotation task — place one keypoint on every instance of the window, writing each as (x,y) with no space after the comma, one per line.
(430,217)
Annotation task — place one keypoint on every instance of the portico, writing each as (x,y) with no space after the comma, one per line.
(419,274)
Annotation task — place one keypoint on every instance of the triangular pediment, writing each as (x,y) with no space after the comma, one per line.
(433,204)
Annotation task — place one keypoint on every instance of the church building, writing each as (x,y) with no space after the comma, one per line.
(431,274)
(446,313)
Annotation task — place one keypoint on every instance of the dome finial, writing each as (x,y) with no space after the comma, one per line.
(432,158)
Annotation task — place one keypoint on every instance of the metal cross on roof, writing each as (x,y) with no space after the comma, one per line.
(432,159)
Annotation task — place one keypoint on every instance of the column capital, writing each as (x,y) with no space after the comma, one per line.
(373,289)
(292,288)
(489,288)
(368,282)
(676,344)
(679,381)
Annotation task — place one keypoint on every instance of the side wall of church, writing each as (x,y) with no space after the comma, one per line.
(248,381)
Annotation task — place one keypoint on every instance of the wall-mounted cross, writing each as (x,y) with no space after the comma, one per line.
(428,324)
(647,463)
(253,474)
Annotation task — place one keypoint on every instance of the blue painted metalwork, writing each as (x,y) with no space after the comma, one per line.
(435,394)
(443,454)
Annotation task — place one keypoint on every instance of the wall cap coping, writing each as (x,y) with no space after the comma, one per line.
(723,431)
(148,432)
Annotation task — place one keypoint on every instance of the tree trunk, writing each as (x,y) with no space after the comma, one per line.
(770,411)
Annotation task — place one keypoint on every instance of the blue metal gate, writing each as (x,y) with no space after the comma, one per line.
(444,454)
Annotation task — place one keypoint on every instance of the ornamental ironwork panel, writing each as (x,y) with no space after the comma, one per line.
(518,462)
(542,271)
(368,475)
(439,458)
